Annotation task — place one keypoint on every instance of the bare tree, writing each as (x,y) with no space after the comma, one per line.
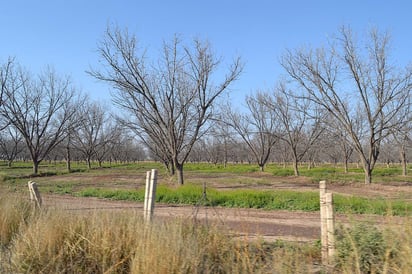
(107,141)
(126,148)
(168,103)
(281,153)
(219,141)
(403,139)
(11,144)
(335,144)
(67,147)
(88,136)
(8,80)
(358,86)
(404,143)
(299,123)
(256,126)
(40,109)
(6,77)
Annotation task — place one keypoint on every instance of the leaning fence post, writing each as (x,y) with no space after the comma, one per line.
(150,194)
(323,222)
(34,194)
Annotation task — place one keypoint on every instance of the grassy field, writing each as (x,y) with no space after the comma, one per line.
(53,241)
(238,185)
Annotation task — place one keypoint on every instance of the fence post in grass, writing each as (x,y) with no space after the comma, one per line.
(150,194)
(330,221)
(34,194)
(146,195)
(323,222)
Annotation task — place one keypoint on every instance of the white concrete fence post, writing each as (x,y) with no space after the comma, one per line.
(146,195)
(34,194)
(330,223)
(327,224)
(150,195)
(323,223)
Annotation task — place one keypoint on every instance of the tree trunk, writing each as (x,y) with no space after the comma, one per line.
(68,161)
(296,167)
(368,174)
(89,164)
(9,163)
(346,165)
(225,157)
(261,167)
(403,162)
(170,167)
(179,171)
(36,167)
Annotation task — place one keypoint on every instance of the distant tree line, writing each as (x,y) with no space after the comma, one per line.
(343,103)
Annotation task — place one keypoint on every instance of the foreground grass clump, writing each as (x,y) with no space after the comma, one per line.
(52,241)
(13,214)
(364,248)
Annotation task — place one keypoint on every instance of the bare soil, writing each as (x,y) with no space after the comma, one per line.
(250,223)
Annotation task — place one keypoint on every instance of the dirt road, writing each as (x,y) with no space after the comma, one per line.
(251,223)
(271,225)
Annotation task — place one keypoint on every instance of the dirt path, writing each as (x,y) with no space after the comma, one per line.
(270,225)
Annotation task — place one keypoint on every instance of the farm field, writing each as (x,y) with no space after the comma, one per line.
(121,187)
(244,203)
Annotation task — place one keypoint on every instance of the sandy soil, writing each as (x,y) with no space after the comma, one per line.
(250,223)
(271,225)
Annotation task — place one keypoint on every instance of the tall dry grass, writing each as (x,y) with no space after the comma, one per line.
(14,211)
(57,242)
(53,241)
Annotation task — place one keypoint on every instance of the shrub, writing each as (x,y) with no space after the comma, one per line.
(360,248)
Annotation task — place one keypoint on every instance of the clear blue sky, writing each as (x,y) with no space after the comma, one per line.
(65,34)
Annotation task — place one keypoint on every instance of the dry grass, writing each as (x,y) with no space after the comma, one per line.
(14,212)
(53,241)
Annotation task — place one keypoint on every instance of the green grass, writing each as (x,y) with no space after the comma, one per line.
(212,168)
(118,194)
(83,182)
(330,173)
(269,200)
(381,173)
(59,188)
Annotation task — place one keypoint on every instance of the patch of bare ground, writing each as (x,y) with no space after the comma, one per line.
(248,223)
(269,225)
(223,181)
